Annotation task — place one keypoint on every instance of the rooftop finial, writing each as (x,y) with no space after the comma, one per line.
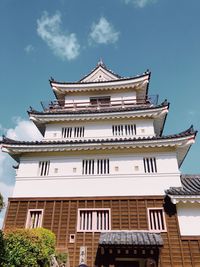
(101,63)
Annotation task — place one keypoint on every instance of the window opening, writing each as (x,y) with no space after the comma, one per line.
(127,129)
(44,168)
(150,165)
(99,166)
(34,218)
(156,219)
(93,220)
(100,101)
(70,132)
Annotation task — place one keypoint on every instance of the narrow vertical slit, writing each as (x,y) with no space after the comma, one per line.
(148,167)
(83,166)
(155,166)
(135,129)
(86,166)
(131,129)
(151,165)
(98,166)
(144,161)
(108,167)
(105,166)
(125,129)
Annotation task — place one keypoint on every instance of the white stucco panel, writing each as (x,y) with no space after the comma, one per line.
(131,164)
(95,186)
(189,218)
(101,129)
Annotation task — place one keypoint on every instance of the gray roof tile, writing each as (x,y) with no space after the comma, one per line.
(131,238)
(190,186)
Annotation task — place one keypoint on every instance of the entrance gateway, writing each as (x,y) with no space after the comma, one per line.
(129,249)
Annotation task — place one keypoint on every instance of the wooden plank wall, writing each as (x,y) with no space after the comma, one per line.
(60,216)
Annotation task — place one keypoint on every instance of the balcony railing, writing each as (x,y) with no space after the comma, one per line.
(99,105)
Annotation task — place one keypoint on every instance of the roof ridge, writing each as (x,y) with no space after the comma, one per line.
(100,63)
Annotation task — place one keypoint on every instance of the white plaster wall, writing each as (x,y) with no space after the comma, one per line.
(100,128)
(135,185)
(189,218)
(114,95)
(126,177)
(126,163)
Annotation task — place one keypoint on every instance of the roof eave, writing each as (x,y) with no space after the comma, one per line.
(175,199)
(17,148)
(60,89)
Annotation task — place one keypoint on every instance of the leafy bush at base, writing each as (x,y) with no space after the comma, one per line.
(2,248)
(62,258)
(1,202)
(28,247)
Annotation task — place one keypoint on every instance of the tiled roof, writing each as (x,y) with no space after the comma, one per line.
(190,186)
(104,110)
(188,132)
(102,82)
(131,238)
(101,63)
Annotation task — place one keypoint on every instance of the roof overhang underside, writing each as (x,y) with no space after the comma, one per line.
(181,146)
(131,238)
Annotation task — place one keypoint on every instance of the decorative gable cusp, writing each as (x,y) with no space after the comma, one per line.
(99,74)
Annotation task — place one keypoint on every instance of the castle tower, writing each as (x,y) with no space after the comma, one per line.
(105,179)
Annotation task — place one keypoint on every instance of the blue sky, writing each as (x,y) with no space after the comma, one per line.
(65,39)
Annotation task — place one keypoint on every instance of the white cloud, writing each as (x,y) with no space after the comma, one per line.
(140,3)
(103,32)
(24,130)
(66,46)
(29,48)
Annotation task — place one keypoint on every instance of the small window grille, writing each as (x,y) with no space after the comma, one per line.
(73,132)
(44,168)
(93,220)
(67,132)
(99,166)
(127,129)
(34,218)
(150,165)
(88,166)
(156,219)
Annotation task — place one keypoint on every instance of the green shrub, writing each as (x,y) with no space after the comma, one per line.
(2,248)
(61,258)
(1,202)
(28,247)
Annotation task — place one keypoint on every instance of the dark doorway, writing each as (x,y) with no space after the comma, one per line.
(127,264)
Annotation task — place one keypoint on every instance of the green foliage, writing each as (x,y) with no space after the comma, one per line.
(28,247)
(2,248)
(61,258)
(1,202)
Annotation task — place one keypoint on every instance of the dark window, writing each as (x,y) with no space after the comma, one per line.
(100,101)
